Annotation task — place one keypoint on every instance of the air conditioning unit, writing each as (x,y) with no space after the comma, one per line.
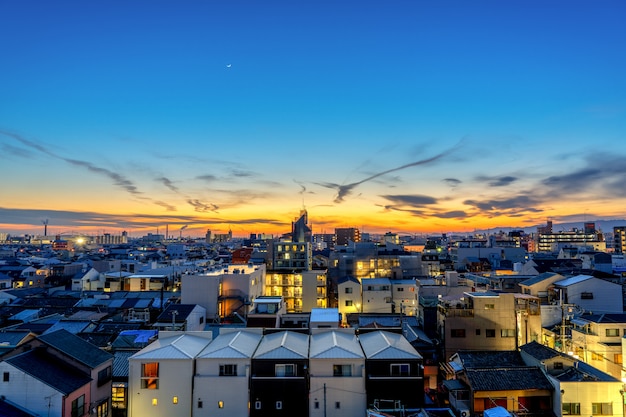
(464,413)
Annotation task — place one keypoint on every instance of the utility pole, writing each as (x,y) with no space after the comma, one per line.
(324,400)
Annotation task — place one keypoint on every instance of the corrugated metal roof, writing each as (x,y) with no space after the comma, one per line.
(241,344)
(387,345)
(572,280)
(324,315)
(335,344)
(183,346)
(283,345)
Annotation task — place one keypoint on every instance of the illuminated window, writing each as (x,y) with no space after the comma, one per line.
(150,375)
(507,333)
(342,370)
(490,306)
(602,409)
(174,400)
(612,332)
(571,409)
(617,358)
(155,401)
(220,404)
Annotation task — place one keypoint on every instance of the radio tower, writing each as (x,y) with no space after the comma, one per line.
(45,227)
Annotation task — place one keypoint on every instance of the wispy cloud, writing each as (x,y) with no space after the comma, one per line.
(411,200)
(502,181)
(343,190)
(168,183)
(202,207)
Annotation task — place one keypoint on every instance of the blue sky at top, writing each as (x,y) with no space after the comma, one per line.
(218,112)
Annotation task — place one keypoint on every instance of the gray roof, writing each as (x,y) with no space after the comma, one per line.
(573,280)
(283,345)
(74,346)
(537,279)
(120,363)
(234,345)
(12,337)
(335,345)
(619,318)
(181,346)
(507,379)
(484,359)
(585,373)
(48,369)
(541,352)
(72,326)
(324,315)
(387,345)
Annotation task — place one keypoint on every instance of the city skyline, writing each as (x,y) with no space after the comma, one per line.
(413,117)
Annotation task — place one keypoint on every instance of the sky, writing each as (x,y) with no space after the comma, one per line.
(403,116)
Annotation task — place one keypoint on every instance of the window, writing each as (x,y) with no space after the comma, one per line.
(348,303)
(316,404)
(348,290)
(103,409)
(175,400)
(400,369)
(200,404)
(337,404)
(155,402)
(5,377)
(228,370)
(78,406)
(477,332)
(285,370)
(150,375)
(104,376)
(617,358)
(602,409)
(596,356)
(400,289)
(507,333)
(220,404)
(490,332)
(457,333)
(279,405)
(571,409)
(586,296)
(490,306)
(257,405)
(557,365)
(612,332)
(342,370)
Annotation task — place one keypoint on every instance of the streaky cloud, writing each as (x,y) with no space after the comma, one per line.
(411,200)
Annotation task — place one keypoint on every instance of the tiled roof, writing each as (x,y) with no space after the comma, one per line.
(48,369)
(483,359)
(120,363)
(77,348)
(12,410)
(539,351)
(506,379)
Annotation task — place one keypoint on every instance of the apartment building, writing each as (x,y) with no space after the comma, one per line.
(488,321)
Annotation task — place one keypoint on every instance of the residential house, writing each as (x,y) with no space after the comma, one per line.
(161,375)
(348,297)
(222,374)
(580,389)
(279,381)
(593,295)
(488,379)
(488,321)
(597,339)
(377,296)
(337,374)
(181,317)
(394,375)
(39,382)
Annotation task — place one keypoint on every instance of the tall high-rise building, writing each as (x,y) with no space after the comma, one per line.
(619,237)
(347,234)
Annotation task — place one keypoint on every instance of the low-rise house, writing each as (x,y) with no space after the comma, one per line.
(348,297)
(580,389)
(181,317)
(161,375)
(597,339)
(37,381)
(593,295)
(488,379)
(393,371)
(337,374)
(279,381)
(222,375)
